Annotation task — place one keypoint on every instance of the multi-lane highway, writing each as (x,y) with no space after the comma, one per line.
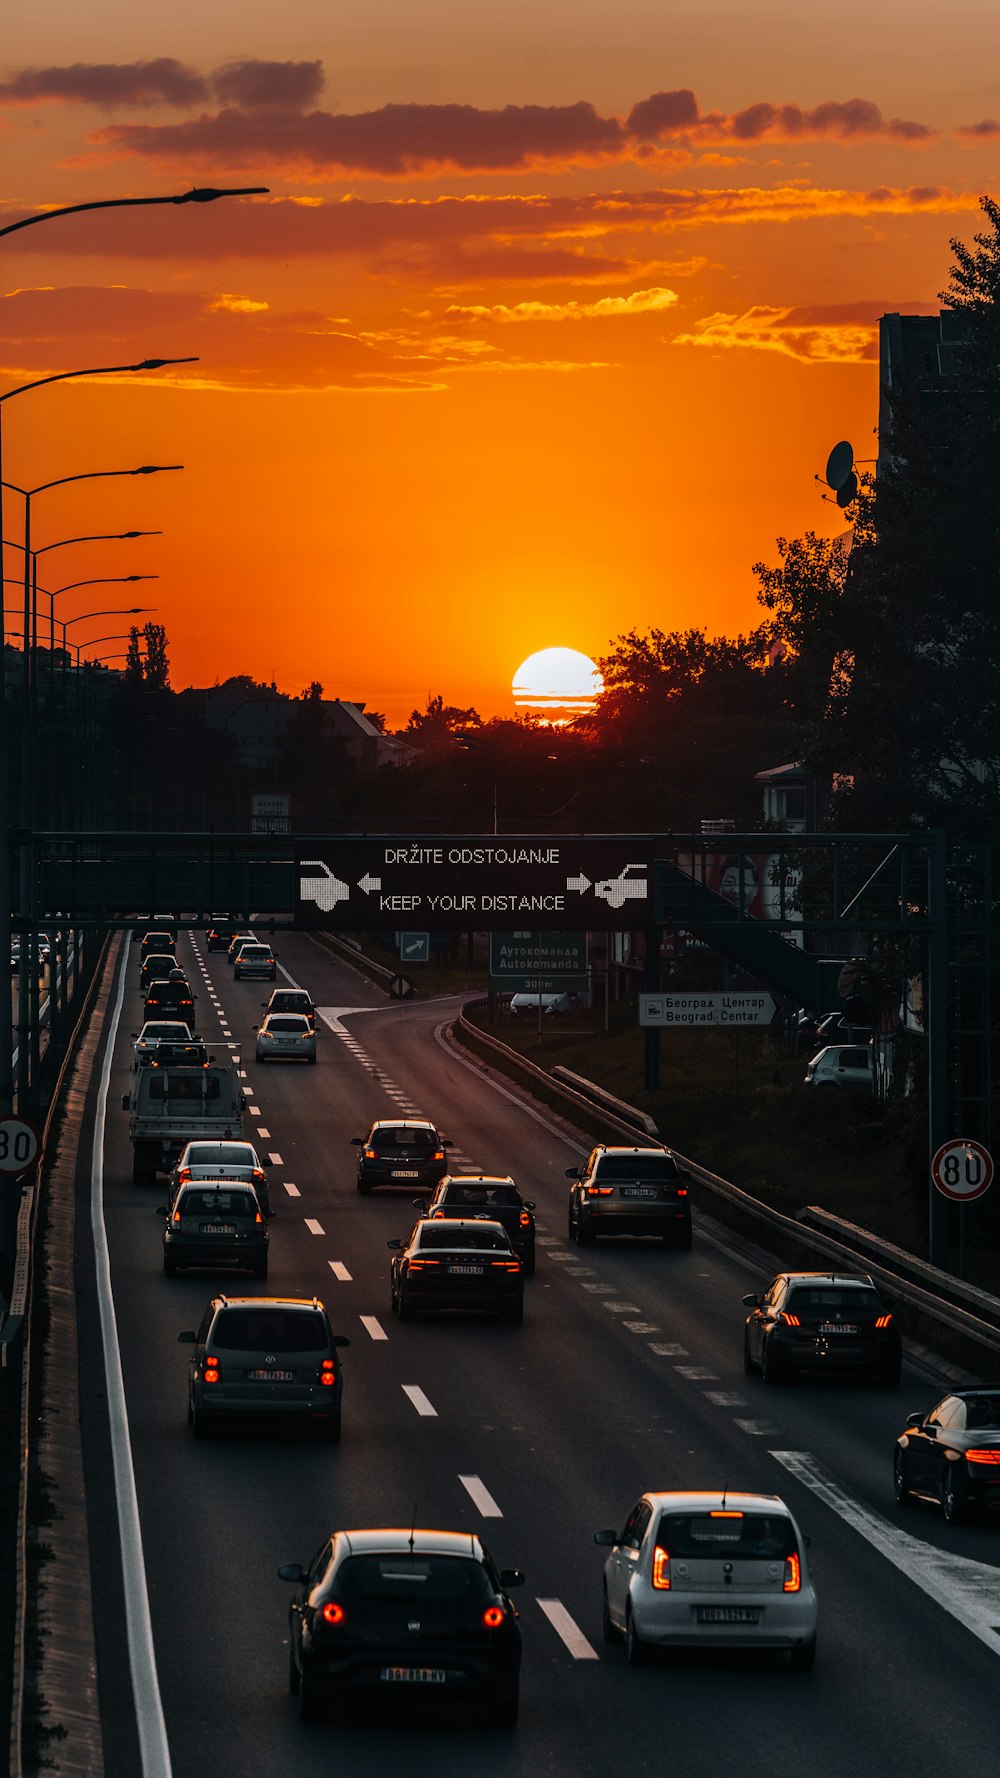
(626,1375)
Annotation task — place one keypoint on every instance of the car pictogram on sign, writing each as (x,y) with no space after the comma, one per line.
(626,886)
(325,890)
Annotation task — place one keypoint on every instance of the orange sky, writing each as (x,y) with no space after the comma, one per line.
(553,313)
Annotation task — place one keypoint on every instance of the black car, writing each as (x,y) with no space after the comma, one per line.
(452,1264)
(400,1150)
(220,937)
(156,963)
(385,1614)
(496,1199)
(166,999)
(215,1222)
(291,1000)
(951,1456)
(265,1357)
(822,1323)
(162,939)
(170,1053)
(630,1191)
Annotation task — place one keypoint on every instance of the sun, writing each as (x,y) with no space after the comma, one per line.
(557,684)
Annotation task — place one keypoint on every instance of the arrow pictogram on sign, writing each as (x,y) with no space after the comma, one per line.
(580,883)
(368,883)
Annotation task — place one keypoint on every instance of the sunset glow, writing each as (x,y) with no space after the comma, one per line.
(557,683)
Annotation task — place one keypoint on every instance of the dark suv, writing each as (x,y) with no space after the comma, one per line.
(817,1323)
(166,999)
(400,1150)
(264,1357)
(497,1199)
(630,1191)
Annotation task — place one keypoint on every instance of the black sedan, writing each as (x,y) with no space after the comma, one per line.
(403,1151)
(951,1456)
(452,1264)
(384,1614)
(166,999)
(491,1198)
(821,1324)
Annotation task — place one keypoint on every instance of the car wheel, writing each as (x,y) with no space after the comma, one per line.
(190,1412)
(393,1299)
(584,1235)
(899,1485)
(310,1058)
(293,1673)
(169,1266)
(635,1649)
(503,1711)
(199,1425)
(312,1708)
(889,1379)
(331,1428)
(611,1630)
(528,1264)
(364,1187)
(748,1363)
(771,1369)
(513,1313)
(954,1503)
(406,1309)
(259,1058)
(260,1270)
(683,1240)
(803,1658)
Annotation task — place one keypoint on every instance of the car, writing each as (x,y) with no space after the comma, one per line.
(822,1323)
(456,1263)
(709,1570)
(236,943)
(495,1199)
(630,1191)
(215,1222)
(553,1004)
(255,959)
(265,1357)
(291,1000)
(169,998)
(159,939)
(156,964)
(849,1065)
(408,1614)
(202,1159)
(156,1031)
(285,1037)
(176,1053)
(951,1456)
(835,1028)
(220,936)
(631,884)
(400,1149)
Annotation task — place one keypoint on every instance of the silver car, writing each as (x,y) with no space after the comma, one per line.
(709,1570)
(287,1037)
(221,1160)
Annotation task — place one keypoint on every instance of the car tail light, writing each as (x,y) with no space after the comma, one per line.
(505,1265)
(599,1191)
(661,1570)
(371,1154)
(438,1154)
(176,1216)
(883,1321)
(790,1320)
(682,1191)
(327,1376)
(525,1220)
(258,1217)
(332,1613)
(722,1512)
(422,1265)
(982,1456)
(211,1371)
(493,1617)
(258,1173)
(793,1574)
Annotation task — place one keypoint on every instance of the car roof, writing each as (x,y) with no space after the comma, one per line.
(656,1148)
(703,1500)
(475,1179)
(418,1541)
(266,1302)
(402,1123)
(458,1225)
(837,1279)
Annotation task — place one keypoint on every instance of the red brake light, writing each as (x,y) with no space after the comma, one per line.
(439,1154)
(371,1154)
(724,1513)
(525,1219)
(177,1215)
(333,1613)
(791,1320)
(599,1191)
(327,1377)
(982,1456)
(493,1617)
(258,1217)
(793,1574)
(211,1372)
(883,1321)
(682,1191)
(661,1570)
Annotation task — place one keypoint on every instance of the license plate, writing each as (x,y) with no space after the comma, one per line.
(638,1191)
(466,1271)
(837,1327)
(727,1614)
(218,1228)
(405,1173)
(415,1675)
(270,1376)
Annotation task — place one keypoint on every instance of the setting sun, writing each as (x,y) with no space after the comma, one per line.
(557,684)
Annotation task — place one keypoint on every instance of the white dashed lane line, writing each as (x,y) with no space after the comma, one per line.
(570,1632)
(340,1271)
(255,1111)
(641,1327)
(275,1160)
(481,1496)
(265,1135)
(724,1398)
(756,1428)
(420,1401)
(314,1227)
(696,1373)
(373,1326)
(292,1190)
(667,1349)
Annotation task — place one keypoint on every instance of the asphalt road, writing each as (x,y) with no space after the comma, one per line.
(626,1375)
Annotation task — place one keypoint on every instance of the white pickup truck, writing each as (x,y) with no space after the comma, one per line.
(169,1107)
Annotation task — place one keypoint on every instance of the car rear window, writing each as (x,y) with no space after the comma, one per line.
(506,1196)
(619,1166)
(394,1138)
(423,1579)
(761,1537)
(293,1025)
(228,1154)
(445,1236)
(982,1413)
(217,1203)
(270,1330)
(289,1000)
(817,1300)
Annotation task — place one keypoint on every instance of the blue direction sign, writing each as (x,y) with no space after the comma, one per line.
(415,947)
(538,962)
(488,882)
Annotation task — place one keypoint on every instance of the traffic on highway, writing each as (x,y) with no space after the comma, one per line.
(348,1452)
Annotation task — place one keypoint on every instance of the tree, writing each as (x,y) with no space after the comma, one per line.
(156,671)
(438,722)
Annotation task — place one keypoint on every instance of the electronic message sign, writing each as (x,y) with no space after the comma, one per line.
(442,883)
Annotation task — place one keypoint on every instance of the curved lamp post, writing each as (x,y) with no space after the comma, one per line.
(205,194)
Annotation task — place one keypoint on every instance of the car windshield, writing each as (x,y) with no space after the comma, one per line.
(854,1300)
(639,1166)
(285,1026)
(270,1330)
(444,1235)
(455,1580)
(390,1137)
(217,1203)
(762,1537)
(254,951)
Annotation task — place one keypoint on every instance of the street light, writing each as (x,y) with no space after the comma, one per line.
(206,194)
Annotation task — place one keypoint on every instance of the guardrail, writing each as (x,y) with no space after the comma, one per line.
(355,956)
(621,1108)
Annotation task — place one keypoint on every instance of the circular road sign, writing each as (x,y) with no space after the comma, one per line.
(19,1145)
(962,1169)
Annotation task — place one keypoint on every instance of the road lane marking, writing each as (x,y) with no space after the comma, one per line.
(420,1401)
(965,1588)
(314,1227)
(255,1111)
(696,1373)
(339,1269)
(481,1496)
(667,1350)
(373,1326)
(569,1631)
(265,1135)
(275,1160)
(618,1308)
(292,1190)
(756,1428)
(601,1289)
(725,1398)
(241,1072)
(641,1327)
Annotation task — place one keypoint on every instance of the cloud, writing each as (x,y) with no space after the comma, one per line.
(641,302)
(987,130)
(253,84)
(666,116)
(161,82)
(819,333)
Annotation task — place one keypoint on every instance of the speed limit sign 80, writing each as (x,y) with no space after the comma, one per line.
(19,1145)
(962,1169)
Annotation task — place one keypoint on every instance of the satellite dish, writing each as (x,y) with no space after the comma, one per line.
(839,464)
(848,492)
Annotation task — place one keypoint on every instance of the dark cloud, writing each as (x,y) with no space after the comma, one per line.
(987,130)
(162,82)
(667,116)
(251,85)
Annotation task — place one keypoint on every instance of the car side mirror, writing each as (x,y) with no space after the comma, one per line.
(256,1027)
(266,1161)
(272,1213)
(357,1142)
(125,1101)
(751,1302)
(573,1173)
(135,1034)
(447,1144)
(420,1203)
(396,1243)
(291,1571)
(607,1539)
(187,1339)
(529,1204)
(914,1419)
(511,1577)
(161,1210)
(341,1340)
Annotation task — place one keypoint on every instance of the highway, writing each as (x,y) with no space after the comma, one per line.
(626,1375)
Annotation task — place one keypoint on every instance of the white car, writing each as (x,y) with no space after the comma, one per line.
(286,1035)
(626,886)
(709,1570)
(842,1065)
(221,1160)
(324,889)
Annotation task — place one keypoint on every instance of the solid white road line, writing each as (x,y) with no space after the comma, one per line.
(420,1402)
(314,1227)
(966,1589)
(570,1632)
(373,1326)
(481,1496)
(292,1190)
(340,1271)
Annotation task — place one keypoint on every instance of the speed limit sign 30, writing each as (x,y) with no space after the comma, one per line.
(19,1145)
(962,1169)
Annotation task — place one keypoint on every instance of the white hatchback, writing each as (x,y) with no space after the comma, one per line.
(704,1570)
